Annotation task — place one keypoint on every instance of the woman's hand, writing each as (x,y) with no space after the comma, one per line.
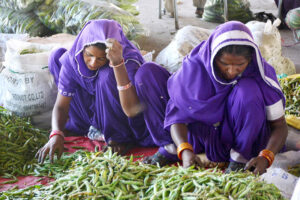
(114,51)
(55,143)
(259,164)
(189,159)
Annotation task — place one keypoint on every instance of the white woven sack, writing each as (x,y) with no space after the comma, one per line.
(268,39)
(29,62)
(27,94)
(184,41)
(5,37)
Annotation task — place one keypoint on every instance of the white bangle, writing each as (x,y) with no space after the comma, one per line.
(125,87)
(116,66)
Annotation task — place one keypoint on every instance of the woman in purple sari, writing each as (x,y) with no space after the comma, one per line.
(225,101)
(96,84)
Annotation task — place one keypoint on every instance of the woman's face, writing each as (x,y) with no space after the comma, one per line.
(94,57)
(230,65)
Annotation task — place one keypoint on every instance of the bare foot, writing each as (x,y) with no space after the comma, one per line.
(119,148)
(157,158)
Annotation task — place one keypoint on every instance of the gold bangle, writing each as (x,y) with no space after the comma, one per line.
(125,87)
(183,146)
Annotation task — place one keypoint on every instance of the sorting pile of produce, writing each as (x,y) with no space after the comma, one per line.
(58,168)
(109,176)
(19,141)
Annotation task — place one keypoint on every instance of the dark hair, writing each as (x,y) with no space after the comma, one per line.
(99,45)
(238,50)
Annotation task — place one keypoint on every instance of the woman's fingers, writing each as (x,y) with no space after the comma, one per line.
(250,164)
(60,152)
(51,154)
(40,155)
(43,154)
(37,153)
(114,51)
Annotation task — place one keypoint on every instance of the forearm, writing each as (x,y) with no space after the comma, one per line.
(179,133)
(278,136)
(128,97)
(185,152)
(59,118)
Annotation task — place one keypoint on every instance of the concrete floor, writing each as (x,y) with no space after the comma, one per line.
(161,31)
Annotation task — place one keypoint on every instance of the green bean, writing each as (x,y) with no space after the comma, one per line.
(77,147)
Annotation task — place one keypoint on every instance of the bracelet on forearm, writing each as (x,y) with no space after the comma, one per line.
(269,155)
(116,66)
(125,87)
(183,146)
(56,132)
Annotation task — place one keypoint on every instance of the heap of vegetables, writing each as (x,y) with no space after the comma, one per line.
(291,88)
(46,17)
(19,141)
(12,21)
(108,176)
(21,5)
(237,10)
(69,16)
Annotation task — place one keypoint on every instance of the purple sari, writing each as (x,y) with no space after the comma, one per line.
(226,119)
(95,98)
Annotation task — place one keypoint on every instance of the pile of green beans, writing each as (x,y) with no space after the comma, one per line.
(108,176)
(58,168)
(291,90)
(19,141)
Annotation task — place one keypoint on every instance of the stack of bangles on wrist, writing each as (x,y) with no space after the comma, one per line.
(124,87)
(115,66)
(56,132)
(269,155)
(183,146)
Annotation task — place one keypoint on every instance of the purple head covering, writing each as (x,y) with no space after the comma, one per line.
(97,31)
(197,93)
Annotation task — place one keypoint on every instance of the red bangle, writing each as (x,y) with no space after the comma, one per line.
(56,132)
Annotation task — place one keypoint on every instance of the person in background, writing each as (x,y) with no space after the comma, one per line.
(199,4)
(96,87)
(224,101)
(169,7)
